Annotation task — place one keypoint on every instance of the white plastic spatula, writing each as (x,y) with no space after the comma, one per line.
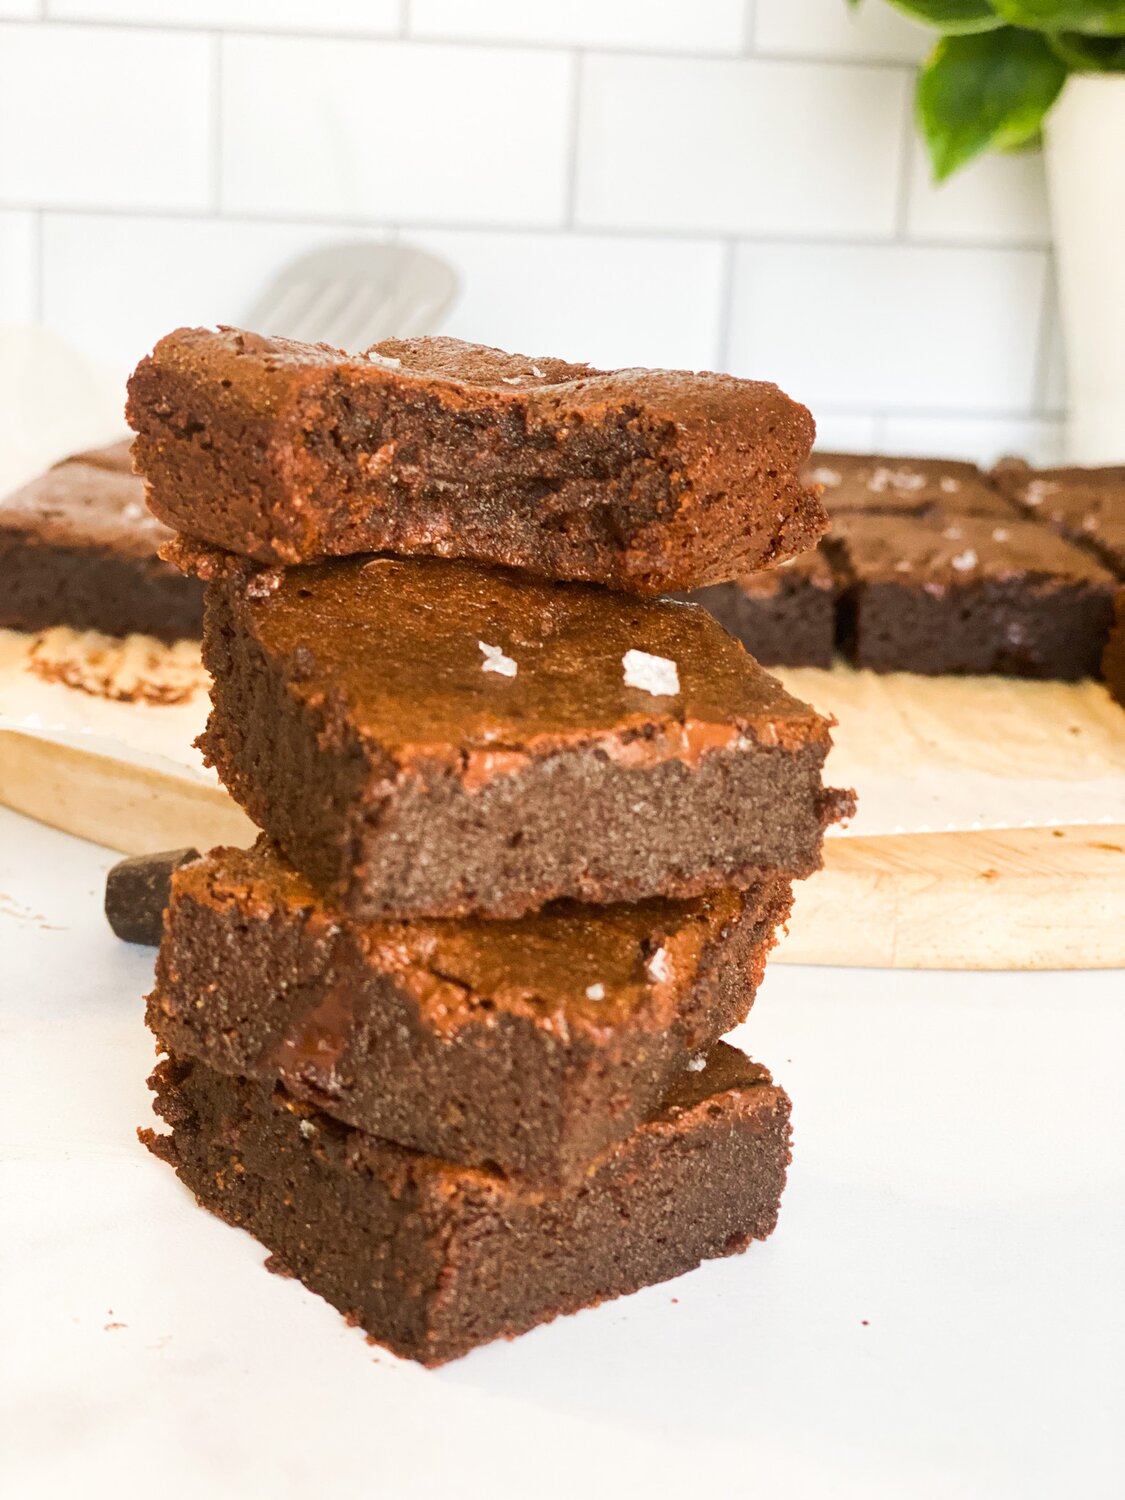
(351,296)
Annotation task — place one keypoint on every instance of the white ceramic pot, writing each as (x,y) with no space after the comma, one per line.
(1086,180)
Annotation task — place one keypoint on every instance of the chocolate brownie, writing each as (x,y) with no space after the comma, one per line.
(1113,657)
(427,738)
(645,480)
(79,548)
(970,595)
(1085,505)
(784,616)
(433,1259)
(531,1044)
(904,486)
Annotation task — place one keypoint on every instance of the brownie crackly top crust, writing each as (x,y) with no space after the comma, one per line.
(93,500)
(445,661)
(1085,505)
(648,481)
(903,486)
(959,550)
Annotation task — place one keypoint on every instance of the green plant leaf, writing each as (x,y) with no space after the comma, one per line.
(953,17)
(1090,17)
(1089,54)
(989,91)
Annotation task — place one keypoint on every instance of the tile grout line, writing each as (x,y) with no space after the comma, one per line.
(503,44)
(574,100)
(403,32)
(705,233)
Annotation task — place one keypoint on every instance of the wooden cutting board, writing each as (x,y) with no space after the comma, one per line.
(1030,898)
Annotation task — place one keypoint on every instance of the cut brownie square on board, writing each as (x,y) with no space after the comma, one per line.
(79,548)
(531,1044)
(428,738)
(784,616)
(969,595)
(433,1259)
(648,481)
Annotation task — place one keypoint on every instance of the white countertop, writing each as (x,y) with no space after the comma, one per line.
(940,1313)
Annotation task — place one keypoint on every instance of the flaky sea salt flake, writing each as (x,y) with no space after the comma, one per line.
(652,674)
(697,1064)
(658,966)
(496,661)
(965,561)
(595,992)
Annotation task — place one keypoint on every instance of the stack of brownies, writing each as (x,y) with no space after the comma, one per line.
(446,1039)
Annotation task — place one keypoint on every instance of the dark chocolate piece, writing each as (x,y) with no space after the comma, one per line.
(137,891)
(79,548)
(531,1044)
(1085,505)
(433,1259)
(429,738)
(785,616)
(645,480)
(969,595)
(904,486)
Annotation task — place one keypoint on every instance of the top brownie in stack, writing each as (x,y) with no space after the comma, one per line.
(79,548)
(648,481)
(427,738)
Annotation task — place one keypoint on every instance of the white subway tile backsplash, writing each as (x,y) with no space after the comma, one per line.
(19,271)
(606,300)
(365,17)
(996,199)
(908,316)
(841,432)
(830,28)
(894,327)
(740,146)
(981,439)
(95,116)
(154,274)
(381,130)
(638,25)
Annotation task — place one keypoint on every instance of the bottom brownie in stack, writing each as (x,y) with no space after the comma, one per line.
(566,1125)
(432,1258)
